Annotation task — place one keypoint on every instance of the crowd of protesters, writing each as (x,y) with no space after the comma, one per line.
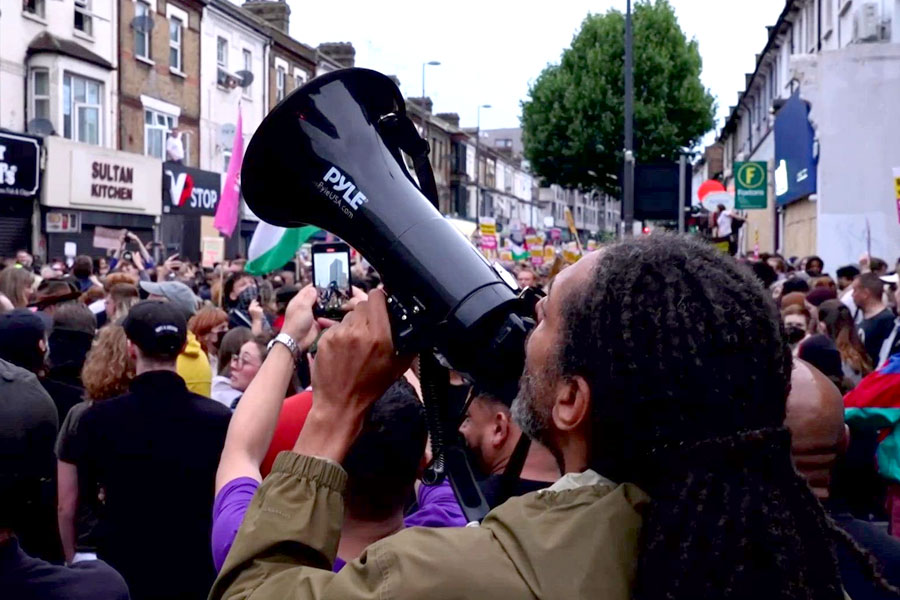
(170,431)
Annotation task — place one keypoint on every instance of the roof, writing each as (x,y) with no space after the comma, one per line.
(46,43)
(774,31)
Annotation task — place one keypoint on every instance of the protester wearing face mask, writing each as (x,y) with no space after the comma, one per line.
(242,303)
(209,325)
(797,321)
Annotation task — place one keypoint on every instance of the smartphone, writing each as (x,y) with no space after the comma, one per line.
(331,276)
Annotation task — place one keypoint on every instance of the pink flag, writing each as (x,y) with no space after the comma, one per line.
(230,203)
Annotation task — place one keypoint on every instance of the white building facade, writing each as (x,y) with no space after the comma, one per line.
(58,68)
(836,64)
(232,40)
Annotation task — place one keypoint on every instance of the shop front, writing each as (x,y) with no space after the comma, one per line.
(190,198)
(89,190)
(20,182)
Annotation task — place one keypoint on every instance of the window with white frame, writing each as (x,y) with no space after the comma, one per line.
(299,78)
(279,84)
(811,27)
(82,109)
(40,94)
(141,35)
(222,53)
(35,7)
(248,66)
(157,126)
(176,29)
(83,20)
(226,158)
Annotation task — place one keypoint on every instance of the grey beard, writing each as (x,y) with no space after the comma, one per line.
(529,414)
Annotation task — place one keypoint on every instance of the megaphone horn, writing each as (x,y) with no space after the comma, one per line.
(331,155)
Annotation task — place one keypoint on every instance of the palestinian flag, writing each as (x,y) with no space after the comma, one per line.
(272,247)
(518,252)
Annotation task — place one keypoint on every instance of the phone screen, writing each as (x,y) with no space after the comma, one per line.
(331,276)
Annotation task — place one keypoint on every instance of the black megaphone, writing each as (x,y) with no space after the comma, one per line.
(331,155)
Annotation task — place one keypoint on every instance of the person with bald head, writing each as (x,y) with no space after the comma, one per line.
(819,436)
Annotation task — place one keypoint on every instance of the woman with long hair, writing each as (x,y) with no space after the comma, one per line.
(836,322)
(209,325)
(15,284)
(107,373)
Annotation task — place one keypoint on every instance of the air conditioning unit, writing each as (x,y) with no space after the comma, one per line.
(867,23)
(226,79)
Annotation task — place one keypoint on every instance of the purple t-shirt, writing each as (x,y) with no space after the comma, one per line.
(437,508)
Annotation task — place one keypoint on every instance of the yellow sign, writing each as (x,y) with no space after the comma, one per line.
(506,255)
(570,221)
(549,252)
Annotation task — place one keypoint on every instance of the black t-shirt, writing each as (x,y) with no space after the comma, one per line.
(23,577)
(874,331)
(155,452)
(89,507)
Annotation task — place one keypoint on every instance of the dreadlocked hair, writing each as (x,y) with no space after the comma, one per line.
(689,371)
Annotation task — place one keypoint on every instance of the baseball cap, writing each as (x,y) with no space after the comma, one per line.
(175,292)
(158,328)
(892,278)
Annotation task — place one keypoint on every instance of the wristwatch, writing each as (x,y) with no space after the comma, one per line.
(283,338)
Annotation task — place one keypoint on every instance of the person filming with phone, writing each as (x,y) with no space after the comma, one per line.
(657,376)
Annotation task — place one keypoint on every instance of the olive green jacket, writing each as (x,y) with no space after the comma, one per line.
(574,543)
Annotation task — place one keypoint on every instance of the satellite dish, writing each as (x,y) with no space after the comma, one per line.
(40,127)
(143,24)
(226,135)
(246,78)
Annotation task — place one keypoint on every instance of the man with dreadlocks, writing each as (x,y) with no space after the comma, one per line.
(657,376)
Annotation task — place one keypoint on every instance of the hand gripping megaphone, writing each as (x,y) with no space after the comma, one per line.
(332,155)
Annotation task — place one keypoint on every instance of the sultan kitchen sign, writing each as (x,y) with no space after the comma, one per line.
(92,178)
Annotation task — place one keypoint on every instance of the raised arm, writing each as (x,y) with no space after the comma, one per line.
(256,416)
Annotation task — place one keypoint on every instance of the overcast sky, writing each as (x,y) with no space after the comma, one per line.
(490,50)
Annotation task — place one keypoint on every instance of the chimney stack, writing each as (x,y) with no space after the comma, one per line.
(342,53)
(276,13)
(451,118)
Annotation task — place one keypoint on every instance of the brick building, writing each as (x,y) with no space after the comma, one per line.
(159,76)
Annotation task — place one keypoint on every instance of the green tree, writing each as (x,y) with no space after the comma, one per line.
(573,119)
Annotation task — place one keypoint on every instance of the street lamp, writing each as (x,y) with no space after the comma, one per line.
(430,63)
(478,164)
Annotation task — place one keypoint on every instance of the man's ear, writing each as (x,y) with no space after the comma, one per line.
(132,350)
(500,428)
(572,405)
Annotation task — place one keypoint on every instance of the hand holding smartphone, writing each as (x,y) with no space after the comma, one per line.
(331,276)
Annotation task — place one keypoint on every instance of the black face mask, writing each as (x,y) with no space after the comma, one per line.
(795,334)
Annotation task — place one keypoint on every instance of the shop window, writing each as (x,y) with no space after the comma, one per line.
(83,20)
(40,94)
(142,38)
(176,28)
(35,7)
(82,109)
(157,126)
